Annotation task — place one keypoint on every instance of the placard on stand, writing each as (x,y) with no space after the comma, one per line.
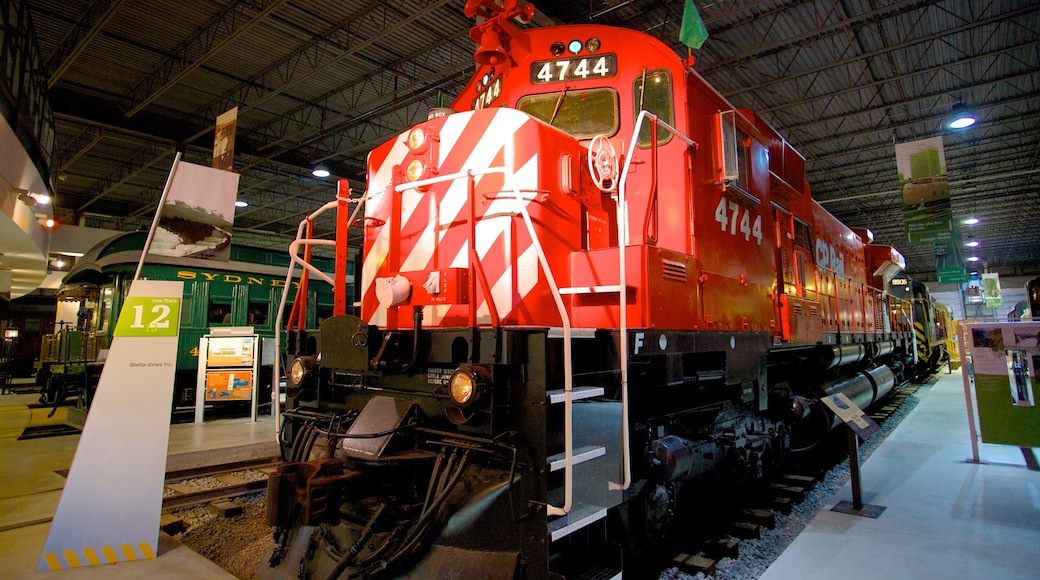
(229,365)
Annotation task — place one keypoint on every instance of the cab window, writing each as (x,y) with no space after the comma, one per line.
(582,114)
(652,92)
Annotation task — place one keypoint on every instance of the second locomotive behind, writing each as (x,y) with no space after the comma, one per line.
(589,287)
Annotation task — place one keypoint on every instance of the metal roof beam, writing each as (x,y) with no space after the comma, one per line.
(78,37)
(237,19)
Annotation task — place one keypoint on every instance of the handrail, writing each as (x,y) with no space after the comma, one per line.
(276,376)
(568,380)
(622,221)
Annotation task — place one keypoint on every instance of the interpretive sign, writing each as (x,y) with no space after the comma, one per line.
(1006,363)
(123,445)
(851,415)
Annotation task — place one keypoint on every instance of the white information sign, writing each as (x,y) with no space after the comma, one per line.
(109,511)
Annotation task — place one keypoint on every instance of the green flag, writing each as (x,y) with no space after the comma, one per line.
(693,33)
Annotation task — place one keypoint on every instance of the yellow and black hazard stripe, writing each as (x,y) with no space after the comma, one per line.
(90,556)
(921,341)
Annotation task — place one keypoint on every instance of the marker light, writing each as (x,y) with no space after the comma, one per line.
(592,44)
(574,46)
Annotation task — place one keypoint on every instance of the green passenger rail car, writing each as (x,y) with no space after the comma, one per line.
(244,291)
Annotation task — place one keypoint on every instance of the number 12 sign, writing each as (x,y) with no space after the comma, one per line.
(149,316)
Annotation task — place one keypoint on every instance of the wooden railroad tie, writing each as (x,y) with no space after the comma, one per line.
(225,509)
(764,518)
(745,530)
(722,548)
(693,564)
(780,504)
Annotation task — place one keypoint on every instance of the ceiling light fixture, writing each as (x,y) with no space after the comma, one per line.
(241,203)
(972,244)
(973,258)
(961,117)
(971,221)
(321,171)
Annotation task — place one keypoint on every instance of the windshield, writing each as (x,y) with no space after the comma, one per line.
(582,114)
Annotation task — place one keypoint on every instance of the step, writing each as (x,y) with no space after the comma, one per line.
(577,519)
(581,455)
(558,396)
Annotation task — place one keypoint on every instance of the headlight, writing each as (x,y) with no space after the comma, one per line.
(300,369)
(415,170)
(467,384)
(416,138)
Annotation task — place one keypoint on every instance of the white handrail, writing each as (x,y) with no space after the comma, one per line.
(622,213)
(276,377)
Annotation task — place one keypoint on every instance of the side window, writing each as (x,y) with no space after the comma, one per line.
(186,311)
(802,234)
(652,91)
(219,312)
(735,145)
(107,293)
(324,312)
(258,313)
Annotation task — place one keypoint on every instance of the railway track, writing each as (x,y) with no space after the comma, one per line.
(769,505)
(200,486)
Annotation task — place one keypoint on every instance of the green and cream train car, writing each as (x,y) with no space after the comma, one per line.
(244,291)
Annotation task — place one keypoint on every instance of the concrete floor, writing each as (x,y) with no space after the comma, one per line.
(30,488)
(944,517)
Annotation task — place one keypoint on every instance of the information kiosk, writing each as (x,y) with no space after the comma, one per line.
(228,368)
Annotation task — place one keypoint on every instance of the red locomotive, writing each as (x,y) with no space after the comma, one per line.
(588,285)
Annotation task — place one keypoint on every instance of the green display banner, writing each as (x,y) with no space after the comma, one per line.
(952,275)
(149,316)
(929,225)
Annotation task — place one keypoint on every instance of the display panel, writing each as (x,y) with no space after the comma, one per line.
(230,351)
(229,385)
